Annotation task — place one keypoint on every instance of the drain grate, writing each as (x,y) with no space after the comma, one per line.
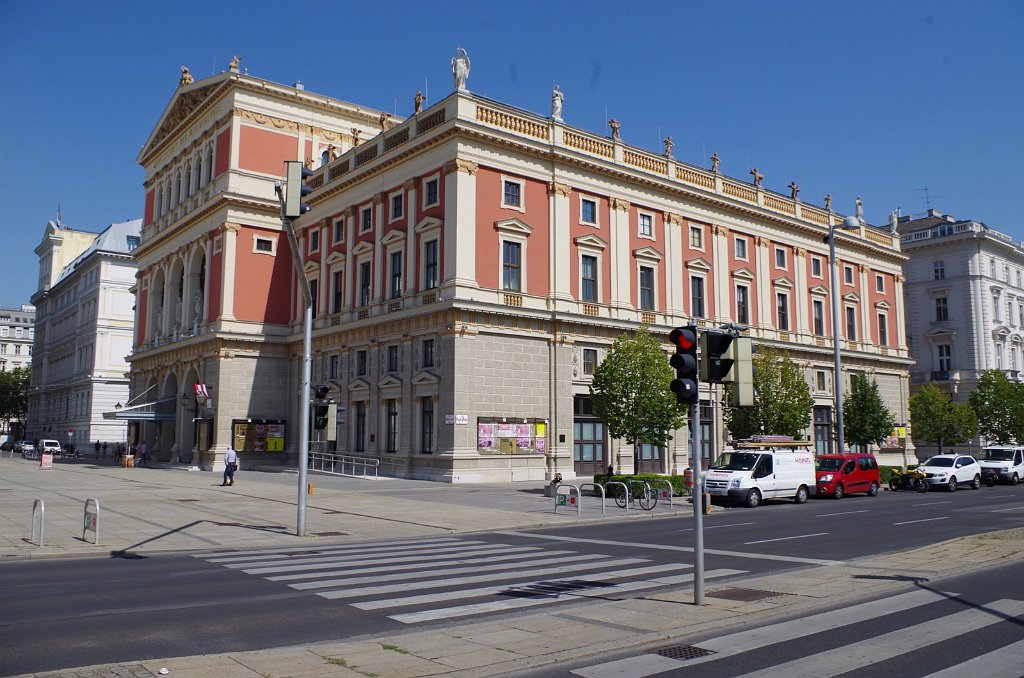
(683,651)
(743,595)
(188,500)
(329,534)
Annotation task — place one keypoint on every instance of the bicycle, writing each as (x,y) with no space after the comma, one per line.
(637,491)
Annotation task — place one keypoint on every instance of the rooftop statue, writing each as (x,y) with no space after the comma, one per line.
(556,103)
(460,69)
(858,210)
(186,77)
(418,102)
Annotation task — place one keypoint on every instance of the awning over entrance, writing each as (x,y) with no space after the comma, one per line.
(158,410)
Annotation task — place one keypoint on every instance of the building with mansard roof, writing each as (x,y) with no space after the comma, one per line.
(470,267)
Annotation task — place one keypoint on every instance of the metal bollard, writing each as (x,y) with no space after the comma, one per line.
(39,504)
(91,520)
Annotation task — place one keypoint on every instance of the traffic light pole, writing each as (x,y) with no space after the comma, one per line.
(698,508)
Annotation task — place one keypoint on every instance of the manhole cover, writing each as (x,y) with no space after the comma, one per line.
(683,651)
(743,595)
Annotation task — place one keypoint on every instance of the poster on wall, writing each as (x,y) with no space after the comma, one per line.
(258,435)
(503,437)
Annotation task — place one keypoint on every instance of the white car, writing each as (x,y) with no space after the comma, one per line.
(1005,462)
(952,470)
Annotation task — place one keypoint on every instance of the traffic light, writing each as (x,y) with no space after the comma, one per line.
(332,421)
(297,189)
(743,372)
(320,416)
(716,357)
(321,391)
(684,360)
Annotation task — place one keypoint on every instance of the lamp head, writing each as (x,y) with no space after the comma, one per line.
(850,223)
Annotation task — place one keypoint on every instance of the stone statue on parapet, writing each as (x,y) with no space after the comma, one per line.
(794,190)
(668,146)
(186,77)
(460,69)
(715,160)
(858,210)
(894,219)
(233,66)
(556,103)
(418,102)
(614,124)
(757,176)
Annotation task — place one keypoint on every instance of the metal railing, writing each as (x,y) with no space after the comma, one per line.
(565,499)
(343,465)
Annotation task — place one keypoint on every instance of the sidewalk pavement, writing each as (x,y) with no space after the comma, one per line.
(147,510)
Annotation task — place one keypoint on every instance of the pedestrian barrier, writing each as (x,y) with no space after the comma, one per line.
(625,491)
(41,506)
(91,520)
(598,486)
(567,498)
(662,494)
(342,465)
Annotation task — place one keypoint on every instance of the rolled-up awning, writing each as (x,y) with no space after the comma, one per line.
(145,412)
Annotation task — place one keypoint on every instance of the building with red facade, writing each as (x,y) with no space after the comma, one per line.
(470,265)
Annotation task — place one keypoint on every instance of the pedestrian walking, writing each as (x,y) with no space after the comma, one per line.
(230,466)
(104,450)
(143,448)
(97,448)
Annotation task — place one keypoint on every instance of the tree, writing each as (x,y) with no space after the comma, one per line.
(14,394)
(936,419)
(998,404)
(866,419)
(631,391)
(782,399)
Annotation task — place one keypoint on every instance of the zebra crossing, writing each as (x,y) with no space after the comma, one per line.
(849,654)
(418,581)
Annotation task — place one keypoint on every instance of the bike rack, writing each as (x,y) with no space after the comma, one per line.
(93,523)
(624,489)
(39,504)
(568,494)
(671,490)
(598,486)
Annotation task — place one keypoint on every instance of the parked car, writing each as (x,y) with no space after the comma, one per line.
(1005,463)
(49,447)
(7,446)
(26,449)
(951,471)
(841,474)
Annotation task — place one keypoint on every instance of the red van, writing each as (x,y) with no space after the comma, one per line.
(841,474)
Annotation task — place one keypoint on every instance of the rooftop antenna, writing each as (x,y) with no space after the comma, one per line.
(928,197)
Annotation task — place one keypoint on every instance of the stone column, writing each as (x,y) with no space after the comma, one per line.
(412,283)
(673,264)
(619,254)
(559,242)
(228,254)
(720,274)
(459,237)
(801,301)
(378,288)
(763,298)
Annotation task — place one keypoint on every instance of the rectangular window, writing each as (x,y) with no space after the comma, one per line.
(696,237)
(512,194)
(588,278)
(365,283)
(848,274)
(427,425)
(339,231)
(392,424)
(360,363)
(589,360)
(314,240)
(782,310)
(780,258)
(743,304)
(740,248)
(816,267)
(941,309)
(365,219)
(332,372)
(134,241)
(645,225)
(883,330)
(396,275)
(851,323)
(880,283)
(360,427)
(696,297)
(945,355)
(397,206)
(392,358)
(646,288)
(588,211)
(314,291)
(820,382)
(818,311)
(939,269)
(337,287)
(430,265)
(428,353)
(511,266)
(430,193)
(263,245)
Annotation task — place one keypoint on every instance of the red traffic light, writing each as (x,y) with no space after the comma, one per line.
(684,338)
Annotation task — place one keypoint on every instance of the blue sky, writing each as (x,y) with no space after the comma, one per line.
(879,99)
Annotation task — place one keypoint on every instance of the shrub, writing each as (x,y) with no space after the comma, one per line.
(678,483)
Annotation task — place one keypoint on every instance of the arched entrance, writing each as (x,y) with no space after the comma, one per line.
(165,446)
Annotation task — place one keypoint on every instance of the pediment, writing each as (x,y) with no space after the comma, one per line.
(590,240)
(428,224)
(311,267)
(335,258)
(883,305)
(698,264)
(818,291)
(389,382)
(940,333)
(187,100)
(358,384)
(743,273)
(850,297)
(393,236)
(425,377)
(647,252)
(783,281)
(1001,331)
(515,226)
(363,247)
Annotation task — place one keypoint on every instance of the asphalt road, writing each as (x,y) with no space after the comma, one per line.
(77,612)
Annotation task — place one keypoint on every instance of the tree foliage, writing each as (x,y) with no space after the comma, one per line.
(866,419)
(631,391)
(998,404)
(937,419)
(782,399)
(14,394)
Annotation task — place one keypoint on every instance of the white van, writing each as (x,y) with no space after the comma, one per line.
(49,447)
(1006,460)
(747,473)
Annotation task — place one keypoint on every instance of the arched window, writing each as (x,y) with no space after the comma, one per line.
(188,180)
(209,163)
(198,174)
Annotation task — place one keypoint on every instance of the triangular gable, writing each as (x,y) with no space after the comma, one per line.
(428,224)
(819,291)
(425,378)
(851,297)
(783,282)
(393,236)
(335,258)
(388,381)
(311,267)
(1001,331)
(883,305)
(940,333)
(516,226)
(743,273)
(590,240)
(698,264)
(362,248)
(647,252)
(186,100)
(358,384)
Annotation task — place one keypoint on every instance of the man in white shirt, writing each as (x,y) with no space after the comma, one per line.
(230,466)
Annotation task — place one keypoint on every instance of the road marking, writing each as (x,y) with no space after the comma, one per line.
(512,603)
(684,549)
(630,667)
(222,556)
(799,536)
(342,554)
(923,520)
(369,559)
(712,527)
(1012,508)
(841,513)
(991,665)
(934,503)
(888,645)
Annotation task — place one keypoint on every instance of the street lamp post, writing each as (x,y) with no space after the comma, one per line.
(849,223)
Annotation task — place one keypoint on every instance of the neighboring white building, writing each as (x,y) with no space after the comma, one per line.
(965,303)
(17,329)
(84,324)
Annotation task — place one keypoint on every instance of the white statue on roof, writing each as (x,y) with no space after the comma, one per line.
(460,69)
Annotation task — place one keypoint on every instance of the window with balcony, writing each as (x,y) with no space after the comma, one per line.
(396,275)
(337,288)
(818,316)
(743,304)
(782,311)
(365,283)
(646,288)
(944,355)
(588,278)
(511,266)
(697,296)
(430,264)
(883,329)
(851,323)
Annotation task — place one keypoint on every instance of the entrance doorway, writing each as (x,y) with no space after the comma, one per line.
(590,439)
